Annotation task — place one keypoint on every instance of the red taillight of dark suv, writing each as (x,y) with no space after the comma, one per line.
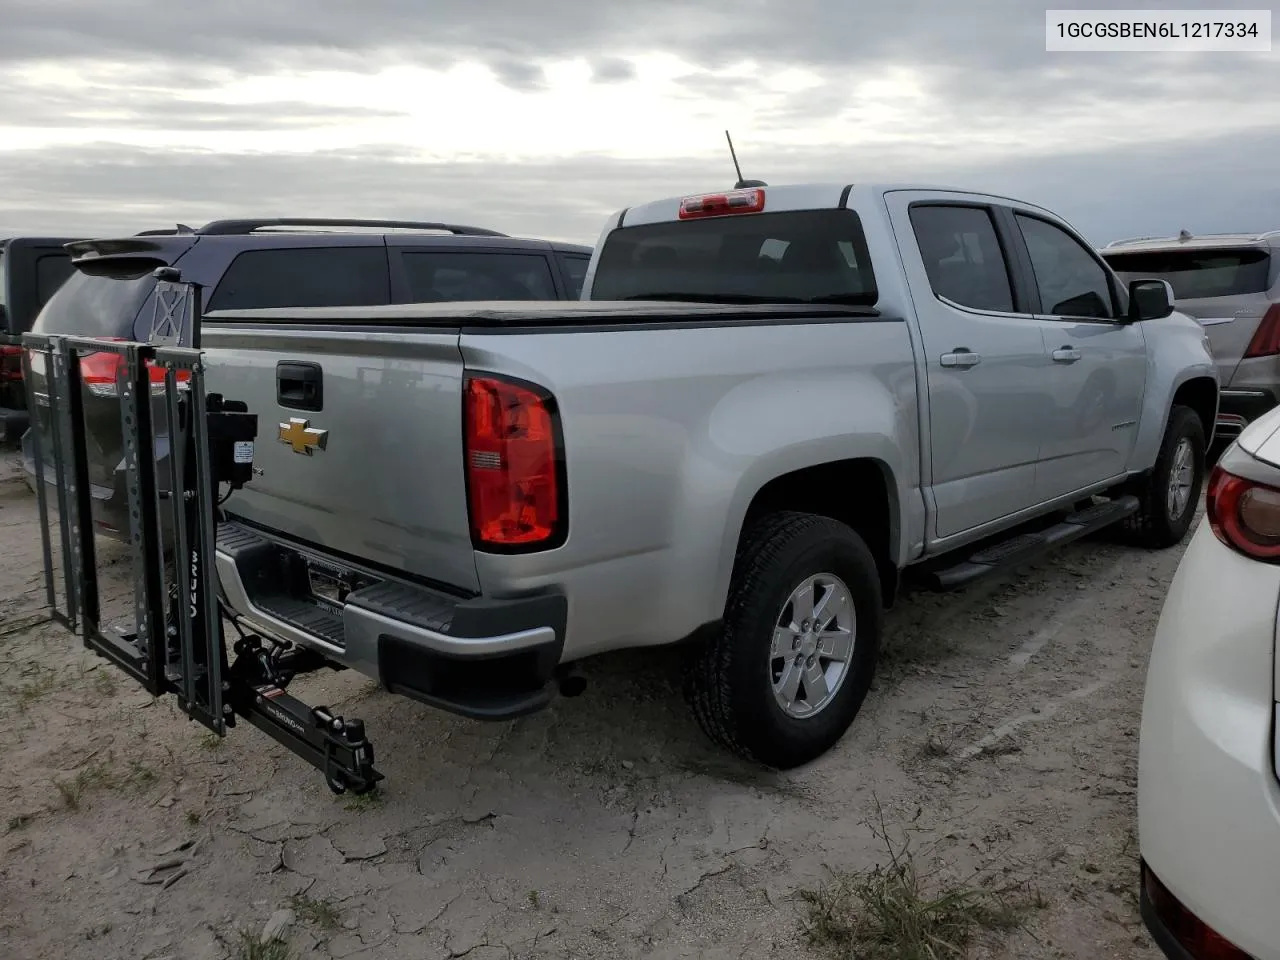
(10,363)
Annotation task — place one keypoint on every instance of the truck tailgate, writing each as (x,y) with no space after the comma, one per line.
(359,441)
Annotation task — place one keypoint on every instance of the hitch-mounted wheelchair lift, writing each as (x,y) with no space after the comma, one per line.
(177,642)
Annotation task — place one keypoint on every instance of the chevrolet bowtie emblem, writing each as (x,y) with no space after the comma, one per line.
(302,437)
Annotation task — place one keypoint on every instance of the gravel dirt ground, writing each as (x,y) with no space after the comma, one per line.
(1000,739)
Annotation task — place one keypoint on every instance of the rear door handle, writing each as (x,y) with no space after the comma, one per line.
(960,357)
(1066,355)
(299,385)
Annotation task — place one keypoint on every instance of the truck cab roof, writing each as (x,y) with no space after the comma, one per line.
(800,196)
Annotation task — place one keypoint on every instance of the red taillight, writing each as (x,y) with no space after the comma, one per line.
(10,362)
(101,371)
(719,204)
(1244,514)
(1200,941)
(1266,339)
(515,485)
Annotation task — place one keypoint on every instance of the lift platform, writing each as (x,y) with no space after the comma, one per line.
(175,643)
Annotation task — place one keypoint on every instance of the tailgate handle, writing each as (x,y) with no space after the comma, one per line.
(299,385)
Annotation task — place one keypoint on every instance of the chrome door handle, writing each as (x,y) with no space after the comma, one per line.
(960,358)
(1066,355)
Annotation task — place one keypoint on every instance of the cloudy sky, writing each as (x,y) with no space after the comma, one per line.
(540,118)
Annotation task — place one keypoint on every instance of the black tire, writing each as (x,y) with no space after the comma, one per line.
(729,684)
(1153,526)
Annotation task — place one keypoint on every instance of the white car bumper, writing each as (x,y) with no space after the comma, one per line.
(1208,798)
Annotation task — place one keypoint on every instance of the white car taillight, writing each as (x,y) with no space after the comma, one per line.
(1244,514)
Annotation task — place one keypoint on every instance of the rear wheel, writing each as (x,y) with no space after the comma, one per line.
(1170,494)
(785,677)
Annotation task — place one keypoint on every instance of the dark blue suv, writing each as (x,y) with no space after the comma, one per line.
(247,264)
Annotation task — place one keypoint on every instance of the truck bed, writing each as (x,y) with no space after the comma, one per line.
(661,411)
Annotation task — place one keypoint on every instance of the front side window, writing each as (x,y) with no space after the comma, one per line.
(1071,282)
(441,277)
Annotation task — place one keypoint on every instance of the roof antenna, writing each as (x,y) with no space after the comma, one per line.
(741,184)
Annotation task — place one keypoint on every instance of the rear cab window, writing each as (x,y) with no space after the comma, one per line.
(437,276)
(791,256)
(1199,274)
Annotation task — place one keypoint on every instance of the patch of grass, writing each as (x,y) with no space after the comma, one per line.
(38,681)
(253,947)
(193,818)
(140,775)
(211,741)
(322,913)
(359,802)
(533,900)
(19,822)
(96,776)
(104,683)
(102,775)
(893,912)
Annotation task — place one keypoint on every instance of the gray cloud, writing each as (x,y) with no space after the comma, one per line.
(997,37)
(1122,191)
(147,110)
(984,60)
(612,70)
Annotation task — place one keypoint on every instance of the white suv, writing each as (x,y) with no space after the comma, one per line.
(1208,793)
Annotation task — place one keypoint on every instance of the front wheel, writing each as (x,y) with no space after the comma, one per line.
(785,677)
(1170,494)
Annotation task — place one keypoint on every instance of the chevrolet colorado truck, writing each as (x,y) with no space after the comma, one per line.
(771,406)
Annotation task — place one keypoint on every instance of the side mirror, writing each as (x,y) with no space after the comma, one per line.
(1150,300)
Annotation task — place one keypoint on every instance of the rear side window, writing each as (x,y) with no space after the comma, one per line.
(436,277)
(304,277)
(1198,274)
(962,256)
(94,306)
(575,274)
(799,256)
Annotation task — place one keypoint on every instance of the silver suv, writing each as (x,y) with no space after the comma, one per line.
(1231,284)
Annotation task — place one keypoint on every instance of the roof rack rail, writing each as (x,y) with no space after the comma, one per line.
(232,227)
(1116,243)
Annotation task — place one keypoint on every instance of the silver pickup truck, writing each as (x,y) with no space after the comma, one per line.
(771,406)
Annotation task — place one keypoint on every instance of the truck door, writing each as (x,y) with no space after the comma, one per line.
(985,359)
(1099,362)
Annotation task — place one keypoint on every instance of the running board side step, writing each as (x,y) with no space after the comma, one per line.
(1025,548)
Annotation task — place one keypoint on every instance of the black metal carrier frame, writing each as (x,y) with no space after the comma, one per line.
(176,643)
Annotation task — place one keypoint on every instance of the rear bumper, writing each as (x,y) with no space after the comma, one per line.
(1237,408)
(488,659)
(1208,795)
